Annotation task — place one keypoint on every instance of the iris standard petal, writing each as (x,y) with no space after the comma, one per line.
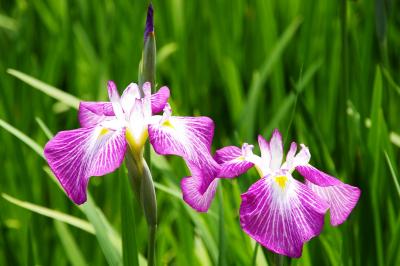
(191,187)
(76,155)
(232,162)
(92,113)
(282,219)
(159,99)
(129,96)
(265,151)
(342,198)
(276,148)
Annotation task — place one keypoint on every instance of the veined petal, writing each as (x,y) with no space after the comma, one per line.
(282,219)
(159,100)
(76,155)
(189,137)
(92,113)
(316,176)
(342,198)
(276,148)
(191,193)
(232,161)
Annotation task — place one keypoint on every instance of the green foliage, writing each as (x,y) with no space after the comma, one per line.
(324,72)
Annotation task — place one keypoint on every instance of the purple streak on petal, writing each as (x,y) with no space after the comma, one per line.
(282,220)
(159,100)
(276,148)
(92,113)
(149,30)
(199,201)
(265,150)
(76,155)
(316,176)
(232,163)
(341,199)
(188,137)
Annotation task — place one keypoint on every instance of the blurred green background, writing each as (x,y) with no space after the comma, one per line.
(326,73)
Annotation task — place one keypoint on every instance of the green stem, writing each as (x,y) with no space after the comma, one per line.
(279,260)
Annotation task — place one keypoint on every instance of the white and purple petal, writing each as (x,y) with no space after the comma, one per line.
(159,99)
(232,162)
(276,149)
(92,113)
(342,198)
(282,219)
(76,155)
(191,187)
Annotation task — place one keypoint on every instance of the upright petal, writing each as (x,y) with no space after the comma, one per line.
(191,187)
(276,148)
(282,219)
(342,198)
(159,100)
(76,155)
(265,152)
(115,100)
(232,161)
(92,113)
(129,96)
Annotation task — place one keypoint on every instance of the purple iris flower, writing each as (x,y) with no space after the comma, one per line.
(110,129)
(278,211)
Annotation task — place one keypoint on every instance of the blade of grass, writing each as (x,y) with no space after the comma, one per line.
(23,137)
(128,225)
(221,229)
(53,92)
(56,215)
(249,110)
(71,248)
(393,172)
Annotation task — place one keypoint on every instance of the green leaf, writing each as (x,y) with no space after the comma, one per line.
(23,137)
(128,225)
(71,248)
(393,172)
(249,110)
(51,91)
(56,215)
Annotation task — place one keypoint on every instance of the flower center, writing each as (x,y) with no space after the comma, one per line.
(281,180)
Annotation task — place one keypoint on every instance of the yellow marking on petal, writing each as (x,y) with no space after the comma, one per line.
(167,123)
(103,132)
(281,180)
(136,145)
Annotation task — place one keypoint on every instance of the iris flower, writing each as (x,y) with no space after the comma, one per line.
(110,129)
(278,211)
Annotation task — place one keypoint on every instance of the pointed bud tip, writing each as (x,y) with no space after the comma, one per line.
(149,30)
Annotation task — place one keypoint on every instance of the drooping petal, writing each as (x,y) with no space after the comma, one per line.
(76,155)
(342,198)
(191,187)
(232,162)
(92,113)
(276,149)
(159,99)
(189,137)
(282,218)
(316,176)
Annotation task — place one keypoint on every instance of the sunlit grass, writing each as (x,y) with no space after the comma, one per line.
(323,73)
